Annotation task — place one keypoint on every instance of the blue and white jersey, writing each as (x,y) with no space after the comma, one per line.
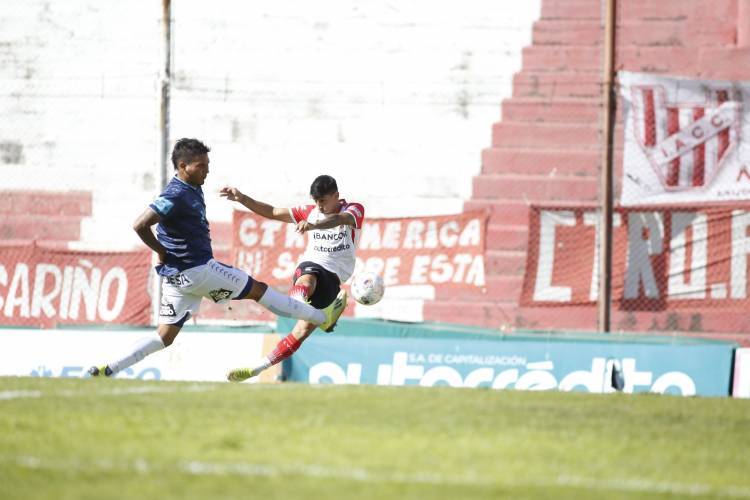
(183,229)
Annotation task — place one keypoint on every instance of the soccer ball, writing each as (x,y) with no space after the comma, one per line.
(367,288)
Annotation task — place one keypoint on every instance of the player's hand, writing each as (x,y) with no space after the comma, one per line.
(231,193)
(303,226)
(161,257)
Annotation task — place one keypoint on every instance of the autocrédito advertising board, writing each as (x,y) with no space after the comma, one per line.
(680,369)
(741,376)
(195,356)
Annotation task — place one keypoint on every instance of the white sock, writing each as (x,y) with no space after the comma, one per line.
(142,348)
(262,364)
(284,305)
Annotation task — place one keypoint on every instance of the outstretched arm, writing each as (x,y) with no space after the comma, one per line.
(340,219)
(142,227)
(260,208)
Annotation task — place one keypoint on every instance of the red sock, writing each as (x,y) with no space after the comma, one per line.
(285,348)
(300,292)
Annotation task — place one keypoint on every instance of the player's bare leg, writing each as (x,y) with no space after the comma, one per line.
(156,341)
(285,348)
(303,288)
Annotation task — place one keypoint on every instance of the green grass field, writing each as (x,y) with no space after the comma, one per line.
(75,439)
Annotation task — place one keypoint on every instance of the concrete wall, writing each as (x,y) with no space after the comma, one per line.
(395,99)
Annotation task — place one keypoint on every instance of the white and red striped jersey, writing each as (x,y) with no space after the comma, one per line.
(332,248)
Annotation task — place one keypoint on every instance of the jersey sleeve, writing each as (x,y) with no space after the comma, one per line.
(165,205)
(358,211)
(300,212)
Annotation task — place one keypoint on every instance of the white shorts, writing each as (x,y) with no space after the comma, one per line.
(181,293)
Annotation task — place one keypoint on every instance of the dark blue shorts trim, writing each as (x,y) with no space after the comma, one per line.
(182,321)
(245,290)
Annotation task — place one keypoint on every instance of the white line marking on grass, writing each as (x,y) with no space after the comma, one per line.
(20,394)
(320,471)
(149,389)
(649,486)
(115,391)
(201,468)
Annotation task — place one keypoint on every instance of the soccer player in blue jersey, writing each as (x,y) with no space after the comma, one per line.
(187,267)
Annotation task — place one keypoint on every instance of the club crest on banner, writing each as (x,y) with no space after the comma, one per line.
(682,139)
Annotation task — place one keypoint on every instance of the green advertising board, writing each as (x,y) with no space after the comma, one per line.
(528,362)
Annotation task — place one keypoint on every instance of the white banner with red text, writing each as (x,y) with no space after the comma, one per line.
(43,287)
(663,259)
(414,255)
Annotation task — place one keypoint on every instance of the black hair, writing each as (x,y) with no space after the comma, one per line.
(186,150)
(322,186)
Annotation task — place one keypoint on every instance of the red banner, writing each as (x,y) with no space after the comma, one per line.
(664,258)
(441,250)
(44,287)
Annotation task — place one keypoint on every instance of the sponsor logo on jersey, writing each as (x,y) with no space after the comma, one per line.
(329,236)
(220,294)
(163,205)
(167,310)
(178,280)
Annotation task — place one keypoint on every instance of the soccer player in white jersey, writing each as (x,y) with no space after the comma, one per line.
(187,267)
(334,226)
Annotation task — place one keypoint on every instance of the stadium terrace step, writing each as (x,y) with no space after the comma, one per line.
(557,85)
(506,237)
(502,212)
(669,60)
(529,109)
(725,63)
(551,162)
(512,212)
(33,227)
(535,187)
(571,9)
(680,60)
(21,202)
(504,262)
(546,135)
(641,33)
(639,9)
(562,59)
(674,9)
(567,32)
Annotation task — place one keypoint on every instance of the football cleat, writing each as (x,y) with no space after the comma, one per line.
(100,371)
(333,312)
(240,374)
